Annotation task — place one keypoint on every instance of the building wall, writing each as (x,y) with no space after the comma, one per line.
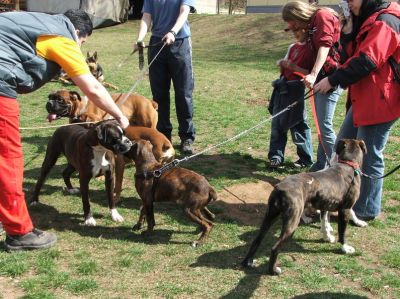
(262,6)
(206,6)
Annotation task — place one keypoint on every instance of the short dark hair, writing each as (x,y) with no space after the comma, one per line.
(81,21)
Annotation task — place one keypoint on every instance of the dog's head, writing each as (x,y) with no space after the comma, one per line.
(62,103)
(111,136)
(351,150)
(94,67)
(141,152)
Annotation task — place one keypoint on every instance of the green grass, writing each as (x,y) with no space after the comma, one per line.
(234,63)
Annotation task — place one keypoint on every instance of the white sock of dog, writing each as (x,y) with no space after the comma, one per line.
(356,221)
(116,216)
(326,229)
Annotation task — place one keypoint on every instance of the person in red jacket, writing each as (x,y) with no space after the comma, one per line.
(371,41)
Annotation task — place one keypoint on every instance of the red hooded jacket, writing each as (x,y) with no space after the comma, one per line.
(375,98)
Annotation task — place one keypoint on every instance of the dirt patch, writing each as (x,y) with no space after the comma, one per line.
(245,203)
(9,289)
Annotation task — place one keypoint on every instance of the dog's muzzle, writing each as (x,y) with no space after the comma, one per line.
(123,147)
(58,107)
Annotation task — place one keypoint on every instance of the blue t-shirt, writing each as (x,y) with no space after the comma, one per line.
(164,14)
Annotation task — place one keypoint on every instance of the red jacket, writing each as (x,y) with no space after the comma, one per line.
(375,98)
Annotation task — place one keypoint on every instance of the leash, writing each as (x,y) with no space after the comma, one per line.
(140,77)
(58,126)
(137,50)
(157,173)
(379,177)
(315,118)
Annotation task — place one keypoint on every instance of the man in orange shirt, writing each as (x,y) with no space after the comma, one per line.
(33,49)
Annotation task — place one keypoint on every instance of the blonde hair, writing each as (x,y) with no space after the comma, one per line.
(300,11)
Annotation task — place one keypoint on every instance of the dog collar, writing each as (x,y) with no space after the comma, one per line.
(353,164)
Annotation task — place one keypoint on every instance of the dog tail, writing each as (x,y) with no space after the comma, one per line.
(212,195)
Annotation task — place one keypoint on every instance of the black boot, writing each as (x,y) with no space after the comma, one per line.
(36,239)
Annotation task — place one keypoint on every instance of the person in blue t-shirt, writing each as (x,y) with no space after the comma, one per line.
(168,20)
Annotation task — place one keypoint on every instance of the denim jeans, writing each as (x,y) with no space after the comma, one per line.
(325,105)
(173,63)
(301,137)
(375,138)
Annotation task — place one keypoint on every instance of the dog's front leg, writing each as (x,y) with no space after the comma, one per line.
(84,186)
(148,207)
(109,184)
(119,175)
(141,220)
(342,225)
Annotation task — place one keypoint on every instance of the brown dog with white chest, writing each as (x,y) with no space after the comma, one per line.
(334,189)
(64,103)
(175,184)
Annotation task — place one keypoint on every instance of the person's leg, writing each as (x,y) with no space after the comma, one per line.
(325,105)
(13,210)
(277,141)
(301,137)
(180,65)
(160,82)
(368,205)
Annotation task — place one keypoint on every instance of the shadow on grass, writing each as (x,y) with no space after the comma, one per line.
(231,258)
(328,295)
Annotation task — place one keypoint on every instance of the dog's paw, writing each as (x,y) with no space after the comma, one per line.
(248,263)
(137,226)
(195,244)
(34,203)
(116,216)
(328,227)
(329,238)
(275,271)
(359,223)
(71,191)
(90,222)
(347,249)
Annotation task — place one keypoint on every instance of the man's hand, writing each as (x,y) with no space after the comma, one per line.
(169,38)
(138,44)
(123,121)
(323,86)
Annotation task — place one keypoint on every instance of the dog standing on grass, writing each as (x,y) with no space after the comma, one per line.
(90,152)
(334,189)
(177,184)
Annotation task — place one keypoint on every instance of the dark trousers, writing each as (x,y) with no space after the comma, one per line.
(285,93)
(174,63)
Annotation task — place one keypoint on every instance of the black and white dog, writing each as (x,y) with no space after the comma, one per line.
(334,189)
(90,150)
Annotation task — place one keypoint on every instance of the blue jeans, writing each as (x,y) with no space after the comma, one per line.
(173,63)
(375,138)
(325,105)
(301,137)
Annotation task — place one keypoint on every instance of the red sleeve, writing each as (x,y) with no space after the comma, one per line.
(325,27)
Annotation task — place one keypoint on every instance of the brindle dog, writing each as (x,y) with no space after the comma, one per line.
(177,185)
(334,189)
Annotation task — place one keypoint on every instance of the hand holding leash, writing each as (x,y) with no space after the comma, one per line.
(323,86)
(169,38)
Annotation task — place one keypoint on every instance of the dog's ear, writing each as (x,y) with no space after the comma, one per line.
(75,96)
(362,145)
(87,54)
(95,56)
(340,146)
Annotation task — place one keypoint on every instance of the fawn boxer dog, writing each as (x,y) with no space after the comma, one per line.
(64,103)
(334,189)
(162,149)
(88,150)
(176,184)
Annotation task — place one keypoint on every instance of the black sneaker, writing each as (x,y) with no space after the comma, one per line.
(36,239)
(186,147)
